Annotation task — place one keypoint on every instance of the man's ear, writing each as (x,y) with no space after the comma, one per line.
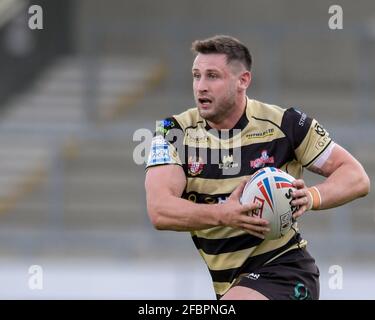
(244,80)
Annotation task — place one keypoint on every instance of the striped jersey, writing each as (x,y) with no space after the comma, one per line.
(215,161)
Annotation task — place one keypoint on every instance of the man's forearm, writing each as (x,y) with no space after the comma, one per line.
(173,213)
(345,184)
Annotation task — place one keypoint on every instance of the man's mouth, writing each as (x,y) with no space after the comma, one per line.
(205,101)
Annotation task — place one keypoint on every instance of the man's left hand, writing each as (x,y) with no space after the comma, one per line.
(301,198)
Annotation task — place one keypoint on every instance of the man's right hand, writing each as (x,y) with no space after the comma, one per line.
(237,215)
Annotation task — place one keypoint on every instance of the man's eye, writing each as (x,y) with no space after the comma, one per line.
(212,75)
(196,76)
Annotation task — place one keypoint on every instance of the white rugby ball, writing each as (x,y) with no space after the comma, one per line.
(272,189)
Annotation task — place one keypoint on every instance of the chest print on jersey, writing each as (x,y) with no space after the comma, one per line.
(195,165)
(228,162)
(262,160)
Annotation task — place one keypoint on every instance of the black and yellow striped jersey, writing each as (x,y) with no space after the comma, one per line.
(215,162)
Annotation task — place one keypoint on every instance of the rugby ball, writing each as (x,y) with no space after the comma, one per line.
(272,188)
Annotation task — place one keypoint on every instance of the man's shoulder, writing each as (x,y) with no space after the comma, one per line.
(290,120)
(267,112)
(188,118)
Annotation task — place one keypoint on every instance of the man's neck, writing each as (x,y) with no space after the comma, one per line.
(230,121)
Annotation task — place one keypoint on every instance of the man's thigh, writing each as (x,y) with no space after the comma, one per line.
(243,293)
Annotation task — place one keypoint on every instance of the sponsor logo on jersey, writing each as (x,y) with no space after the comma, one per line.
(195,165)
(301,292)
(322,142)
(197,198)
(163,127)
(320,130)
(159,153)
(302,120)
(253,276)
(228,163)
(262,160)
(256,135)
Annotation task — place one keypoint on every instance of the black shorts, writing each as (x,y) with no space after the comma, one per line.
(292,276)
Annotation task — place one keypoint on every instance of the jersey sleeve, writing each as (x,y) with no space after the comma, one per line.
(307,137)
(164,145)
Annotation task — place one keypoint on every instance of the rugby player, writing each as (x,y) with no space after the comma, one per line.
(201,159)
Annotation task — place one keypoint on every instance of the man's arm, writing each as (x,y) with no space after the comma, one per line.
(168,211)
(346,181)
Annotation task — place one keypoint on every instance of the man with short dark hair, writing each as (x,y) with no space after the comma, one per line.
(201,159)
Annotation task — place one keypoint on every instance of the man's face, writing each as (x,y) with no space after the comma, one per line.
(215,86)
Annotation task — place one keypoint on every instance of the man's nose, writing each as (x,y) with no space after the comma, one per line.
(202,86)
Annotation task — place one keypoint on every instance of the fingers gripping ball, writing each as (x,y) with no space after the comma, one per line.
(272,189)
